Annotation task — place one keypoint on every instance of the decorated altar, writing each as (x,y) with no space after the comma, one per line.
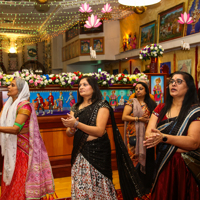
(59,93)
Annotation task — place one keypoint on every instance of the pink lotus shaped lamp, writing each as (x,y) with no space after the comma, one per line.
(185,19)
(85,8)
(92,22)
(106,9)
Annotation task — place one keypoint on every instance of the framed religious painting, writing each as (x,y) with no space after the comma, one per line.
(98,45)
(147,34)
(169,28)
(165,68)
(85,46)
(185,65)
(194,11)
(53,102)
(157,86)
(117,98)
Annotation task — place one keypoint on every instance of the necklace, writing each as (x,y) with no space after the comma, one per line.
(142,103)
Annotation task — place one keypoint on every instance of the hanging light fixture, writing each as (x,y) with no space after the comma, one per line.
(138,2)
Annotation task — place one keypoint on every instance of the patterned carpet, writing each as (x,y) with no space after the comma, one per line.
(119,195)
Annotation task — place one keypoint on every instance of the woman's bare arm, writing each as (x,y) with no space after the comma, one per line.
(126,114)
(98,130)
(187,143)
(151,125)
(20,119)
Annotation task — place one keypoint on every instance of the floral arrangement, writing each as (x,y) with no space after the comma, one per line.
(153,50)
(69,79)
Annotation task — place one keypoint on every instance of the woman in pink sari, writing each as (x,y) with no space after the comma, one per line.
(27,172)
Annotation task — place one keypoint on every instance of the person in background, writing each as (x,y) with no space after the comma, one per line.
(144,80)
(174,129)
(24,175)
(91,174)
(137,112)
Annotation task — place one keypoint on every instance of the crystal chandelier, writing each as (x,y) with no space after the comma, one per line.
(138,2)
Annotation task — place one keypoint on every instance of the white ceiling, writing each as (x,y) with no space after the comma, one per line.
(28,18)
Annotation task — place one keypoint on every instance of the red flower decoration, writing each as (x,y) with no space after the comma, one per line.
(80,76)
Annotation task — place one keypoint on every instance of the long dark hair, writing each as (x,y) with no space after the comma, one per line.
(150,103)
(96,96)
(189,99)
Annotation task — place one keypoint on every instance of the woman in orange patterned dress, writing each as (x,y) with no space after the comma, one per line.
(137,112)
(21,145)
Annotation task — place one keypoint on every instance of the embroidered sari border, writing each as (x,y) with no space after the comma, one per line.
(171,149)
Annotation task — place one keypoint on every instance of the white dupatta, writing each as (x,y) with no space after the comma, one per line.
(8,141)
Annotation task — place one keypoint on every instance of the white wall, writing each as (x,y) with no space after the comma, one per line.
(111,36)
(56,53)
(82,68)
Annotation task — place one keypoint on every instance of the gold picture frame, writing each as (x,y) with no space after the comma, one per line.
(147,34)
(168,26)
(98,45)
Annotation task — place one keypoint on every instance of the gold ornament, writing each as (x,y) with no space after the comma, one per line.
(42,1)
(139,9)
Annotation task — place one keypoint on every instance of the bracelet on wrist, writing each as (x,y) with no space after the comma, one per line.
(76,124)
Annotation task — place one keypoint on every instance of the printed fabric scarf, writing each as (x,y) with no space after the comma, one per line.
(39,178)
(140,150)
(172,127)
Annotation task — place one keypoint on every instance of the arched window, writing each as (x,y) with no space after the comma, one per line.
(33,66)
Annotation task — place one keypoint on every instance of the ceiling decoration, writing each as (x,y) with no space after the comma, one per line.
(36,20)
(85,8)
(93,21)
